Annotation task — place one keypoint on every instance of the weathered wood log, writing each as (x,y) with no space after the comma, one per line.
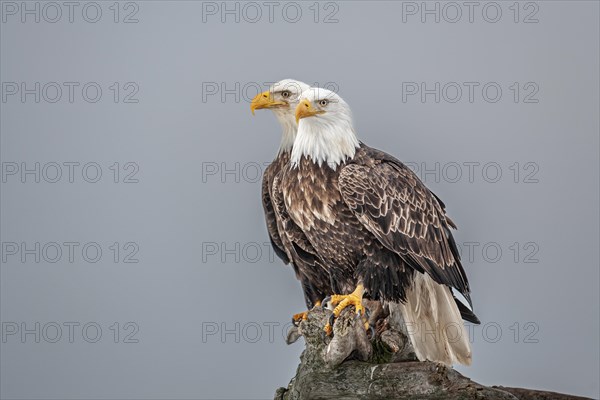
(349,366)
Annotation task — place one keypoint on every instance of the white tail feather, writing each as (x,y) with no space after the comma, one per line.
(434,324)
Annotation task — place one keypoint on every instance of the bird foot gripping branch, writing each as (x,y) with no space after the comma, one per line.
(350,340)
(341,302)
(303,316)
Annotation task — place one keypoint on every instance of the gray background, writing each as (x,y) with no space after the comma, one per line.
(176,213)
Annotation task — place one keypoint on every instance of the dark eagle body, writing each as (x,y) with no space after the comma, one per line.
(372,220)
(288,241)
(355,221)
(344,243)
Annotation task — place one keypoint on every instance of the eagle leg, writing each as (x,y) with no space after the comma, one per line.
(303,316)
(342,301)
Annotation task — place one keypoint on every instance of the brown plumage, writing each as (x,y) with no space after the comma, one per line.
(288,241)
(377,228)
(355,221)
(372,219)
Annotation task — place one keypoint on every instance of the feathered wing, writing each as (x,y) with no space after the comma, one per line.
(397,208)
(289,242)
(310,268)
(270,216)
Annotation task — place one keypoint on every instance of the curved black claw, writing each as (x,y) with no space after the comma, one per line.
(328,329)
(331,320)
(367,313)
(295,322)
(372,330)
(325,301)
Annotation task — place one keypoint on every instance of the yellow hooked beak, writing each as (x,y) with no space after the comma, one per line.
(305,109)
(264,100)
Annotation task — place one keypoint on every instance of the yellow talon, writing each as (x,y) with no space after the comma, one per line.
(352,299)
(300,316)
(303,316)
(342,301)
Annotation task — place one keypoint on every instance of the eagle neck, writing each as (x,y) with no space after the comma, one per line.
(323,141)
(289,130)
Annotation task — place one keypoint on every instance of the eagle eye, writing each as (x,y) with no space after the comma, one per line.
(323,102)
(285,94)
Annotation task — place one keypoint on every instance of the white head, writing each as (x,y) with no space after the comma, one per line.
(325,129)
(282,98)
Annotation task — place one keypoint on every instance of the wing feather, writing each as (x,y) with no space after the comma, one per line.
(270,216)
(396,207)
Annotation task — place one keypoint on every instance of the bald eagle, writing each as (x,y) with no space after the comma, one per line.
(288,241)
(376,227)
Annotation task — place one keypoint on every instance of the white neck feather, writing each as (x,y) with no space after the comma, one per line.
(325,140)
(289,130)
